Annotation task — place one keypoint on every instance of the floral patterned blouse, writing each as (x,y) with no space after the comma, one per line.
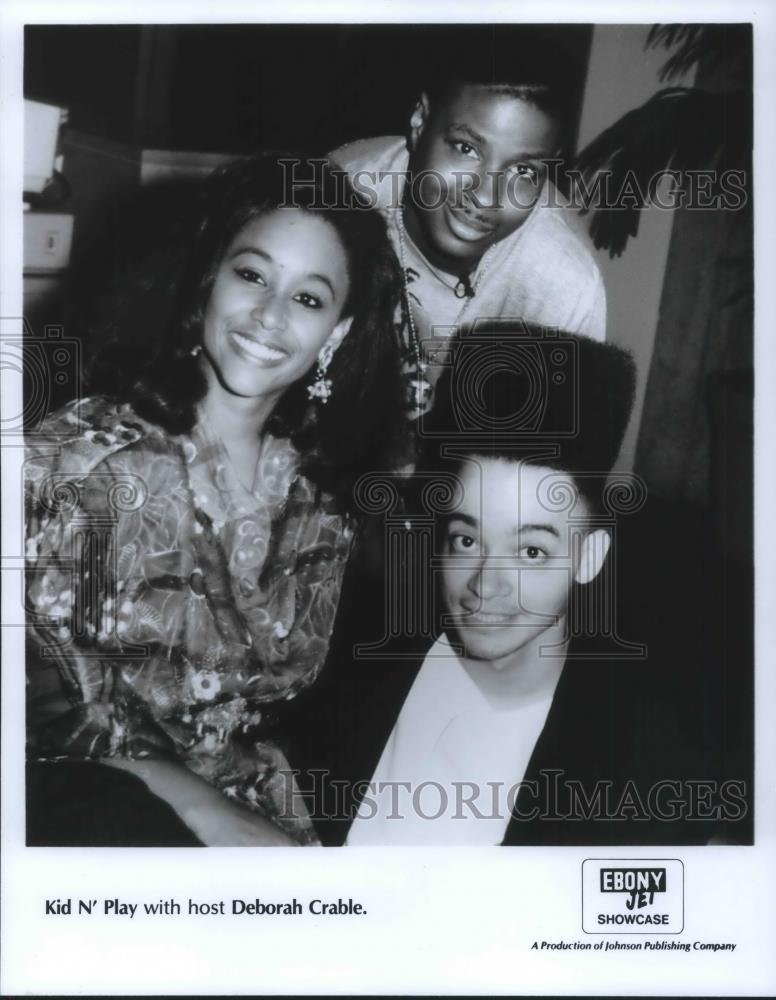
(172,611)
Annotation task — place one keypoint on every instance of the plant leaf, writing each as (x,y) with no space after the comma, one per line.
(681,129)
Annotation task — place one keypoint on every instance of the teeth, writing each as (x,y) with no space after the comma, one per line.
(260,352)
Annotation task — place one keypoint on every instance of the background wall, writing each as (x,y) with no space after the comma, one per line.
(622,75)
(236,88)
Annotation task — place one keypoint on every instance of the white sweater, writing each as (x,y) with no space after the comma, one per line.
(544,272)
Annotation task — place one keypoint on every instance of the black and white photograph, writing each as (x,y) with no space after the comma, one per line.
(379,467)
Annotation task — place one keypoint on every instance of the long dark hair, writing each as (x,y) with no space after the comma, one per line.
(143,355)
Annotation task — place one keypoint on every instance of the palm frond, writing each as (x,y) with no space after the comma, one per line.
(712,45)
(681,129)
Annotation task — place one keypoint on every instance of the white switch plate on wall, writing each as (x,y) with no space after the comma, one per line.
(47,240)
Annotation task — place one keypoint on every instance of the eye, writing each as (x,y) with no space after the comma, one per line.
(308,301)
(248,274)
(532,553)
(464,148)
(461,542)
(525,172)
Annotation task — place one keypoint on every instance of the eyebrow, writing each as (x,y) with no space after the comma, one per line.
(523,529)
(476,137)
(466,518)
(462,127)
(269,258)
(549,528)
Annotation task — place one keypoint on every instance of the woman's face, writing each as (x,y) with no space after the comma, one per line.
(277,299)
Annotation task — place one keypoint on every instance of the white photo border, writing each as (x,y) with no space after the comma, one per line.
(448,921)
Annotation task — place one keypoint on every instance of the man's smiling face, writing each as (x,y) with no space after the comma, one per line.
(510,559)
(477,169)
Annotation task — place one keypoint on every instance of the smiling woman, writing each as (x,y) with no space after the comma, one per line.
(189,522)
(276,304)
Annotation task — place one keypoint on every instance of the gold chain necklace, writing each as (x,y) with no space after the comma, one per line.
(420,389)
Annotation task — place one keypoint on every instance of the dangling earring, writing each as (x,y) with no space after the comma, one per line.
(196,351)
(321,386)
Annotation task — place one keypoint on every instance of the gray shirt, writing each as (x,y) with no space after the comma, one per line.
(544,272)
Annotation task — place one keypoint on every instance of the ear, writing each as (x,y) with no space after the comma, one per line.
(336,337)
(593,552)
(418,121)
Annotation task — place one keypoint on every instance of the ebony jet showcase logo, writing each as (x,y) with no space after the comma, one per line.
(632,897)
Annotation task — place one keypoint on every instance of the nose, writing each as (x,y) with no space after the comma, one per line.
(491,580)
(269,311)
(485,190)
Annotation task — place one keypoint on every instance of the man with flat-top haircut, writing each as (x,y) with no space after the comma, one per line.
(525,444)
(479,227)
(518,716)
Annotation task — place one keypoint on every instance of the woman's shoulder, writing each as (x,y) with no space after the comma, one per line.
(97,414)
(86,432)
